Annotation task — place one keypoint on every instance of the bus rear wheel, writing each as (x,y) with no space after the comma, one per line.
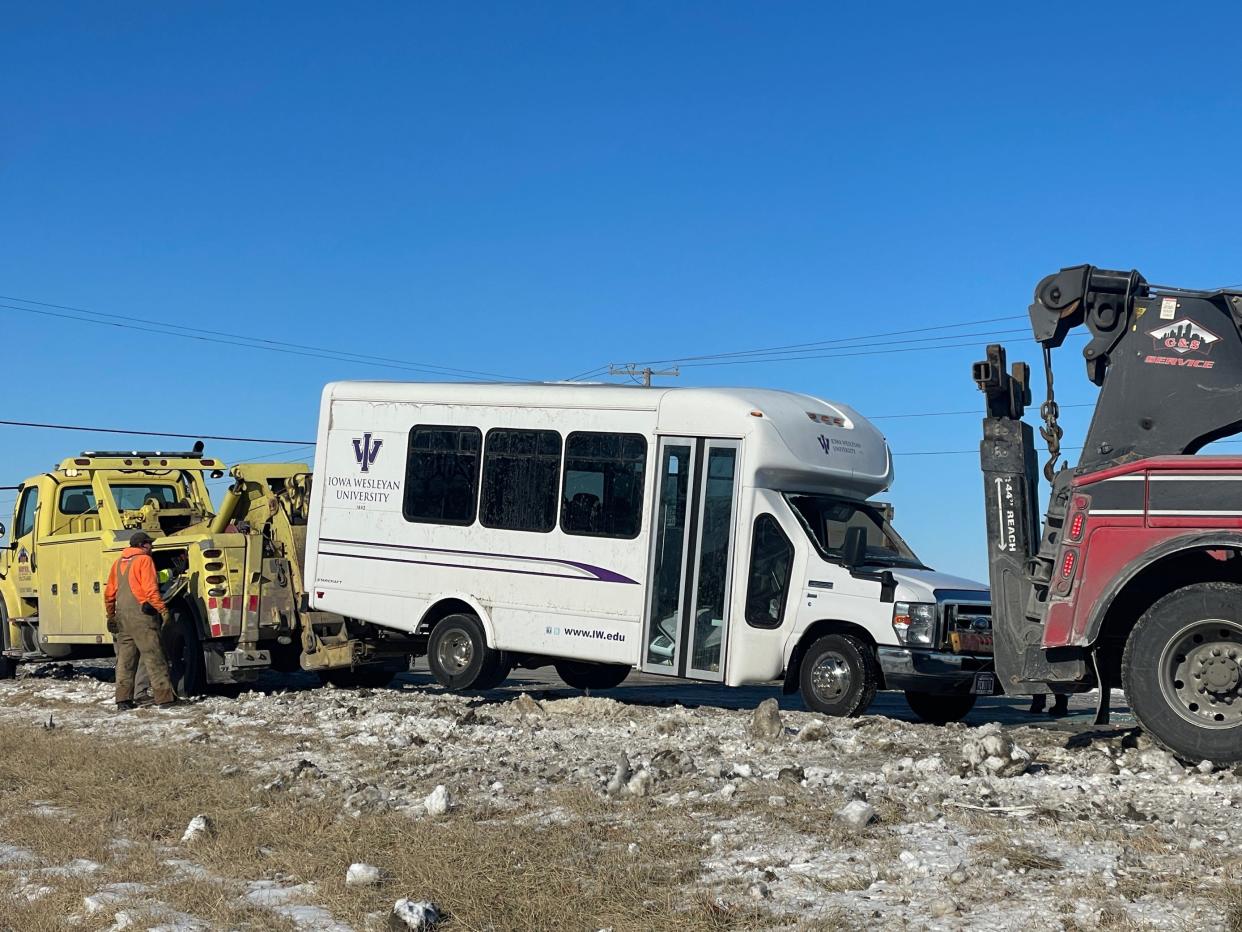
(459,657)
(839,675)
(1182,672)
(939,708)
(583,675)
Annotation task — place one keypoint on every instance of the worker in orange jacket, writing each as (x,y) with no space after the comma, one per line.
(135,613)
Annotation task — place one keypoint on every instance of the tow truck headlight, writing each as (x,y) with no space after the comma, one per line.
(915,623)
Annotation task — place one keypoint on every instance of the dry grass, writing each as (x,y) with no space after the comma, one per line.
(1020,857)
(1231,907)
(486,874)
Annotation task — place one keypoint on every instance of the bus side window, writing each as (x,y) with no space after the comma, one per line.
(521,479)
(767,584)
(602,495)
(442,474)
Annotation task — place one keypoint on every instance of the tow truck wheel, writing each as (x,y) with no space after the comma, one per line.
(1182,672)
(839,675)
(580,674)
(458,654)
(8,666)
(184,651)
(938,708)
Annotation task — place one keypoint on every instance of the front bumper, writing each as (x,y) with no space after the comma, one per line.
(930,671)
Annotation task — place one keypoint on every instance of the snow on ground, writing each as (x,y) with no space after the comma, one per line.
(975,828)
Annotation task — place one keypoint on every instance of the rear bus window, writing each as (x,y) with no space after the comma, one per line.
(602,494)
(442,474)
(521,475)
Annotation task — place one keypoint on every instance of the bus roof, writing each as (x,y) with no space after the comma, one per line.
(805,443)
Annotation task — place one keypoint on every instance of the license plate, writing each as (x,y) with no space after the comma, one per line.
(971,642)
(984,684)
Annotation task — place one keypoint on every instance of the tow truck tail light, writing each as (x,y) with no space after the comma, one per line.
(1068,564)
(1076,526)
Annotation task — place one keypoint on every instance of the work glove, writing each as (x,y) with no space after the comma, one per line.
(113,627)
(166,617)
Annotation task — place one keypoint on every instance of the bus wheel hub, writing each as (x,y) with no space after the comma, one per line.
(830,676)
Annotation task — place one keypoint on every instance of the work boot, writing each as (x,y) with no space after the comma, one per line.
(1038,701)
(1060,707)
(174,701)
(126,705)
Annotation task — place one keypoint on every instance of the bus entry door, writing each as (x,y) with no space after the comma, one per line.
(687,617)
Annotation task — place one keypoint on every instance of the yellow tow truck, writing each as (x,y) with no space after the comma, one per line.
(231,576)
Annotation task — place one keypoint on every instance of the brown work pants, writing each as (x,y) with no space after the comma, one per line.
(139,638)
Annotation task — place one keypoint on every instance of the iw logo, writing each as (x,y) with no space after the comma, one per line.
(365,451)
(825,444)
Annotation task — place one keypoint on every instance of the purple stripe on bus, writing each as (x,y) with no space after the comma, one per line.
(609,577)
(598,572)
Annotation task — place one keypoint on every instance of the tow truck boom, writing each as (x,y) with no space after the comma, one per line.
(1141,530)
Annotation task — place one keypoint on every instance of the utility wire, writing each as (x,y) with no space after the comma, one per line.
(979,412)
(818,344)
(837,341)
(127,322)
(263,456)
(153,433)
(873,352)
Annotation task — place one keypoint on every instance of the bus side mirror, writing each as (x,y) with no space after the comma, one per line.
(3,529)
(854,552)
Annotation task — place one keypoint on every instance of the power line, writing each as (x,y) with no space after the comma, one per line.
(874,352)
(795,353)
(241,340)
(152,433)
(837,341)
(598,370)
(976,450)
(263,456)
(979,412)
(775,353)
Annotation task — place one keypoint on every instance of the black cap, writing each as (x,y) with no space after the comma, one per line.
(140,538)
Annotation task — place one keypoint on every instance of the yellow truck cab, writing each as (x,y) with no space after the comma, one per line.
(231,578)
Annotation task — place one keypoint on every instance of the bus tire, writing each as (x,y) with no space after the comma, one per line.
(839,675)
(501,668)
(580,674)
(939,708)
(458,654)
(184,651)
(1182,672)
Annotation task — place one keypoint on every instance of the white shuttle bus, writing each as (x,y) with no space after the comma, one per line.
(716,534)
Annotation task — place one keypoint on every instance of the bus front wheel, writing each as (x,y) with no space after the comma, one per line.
(839,675)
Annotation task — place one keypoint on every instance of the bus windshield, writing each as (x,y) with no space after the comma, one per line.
(827,519)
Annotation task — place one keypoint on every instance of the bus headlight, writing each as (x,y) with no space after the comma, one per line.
(915,623)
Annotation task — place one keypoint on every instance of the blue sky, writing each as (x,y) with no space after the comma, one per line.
(539,189)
